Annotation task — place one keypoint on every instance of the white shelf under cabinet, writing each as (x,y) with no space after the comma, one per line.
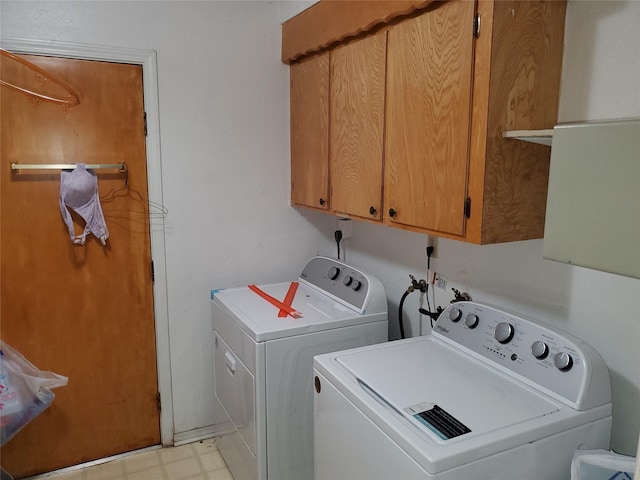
(543,137)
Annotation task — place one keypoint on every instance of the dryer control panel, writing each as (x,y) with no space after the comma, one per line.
(346,283)
(546,358)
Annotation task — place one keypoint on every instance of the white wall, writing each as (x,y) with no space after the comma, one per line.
(224,133)
(225,156)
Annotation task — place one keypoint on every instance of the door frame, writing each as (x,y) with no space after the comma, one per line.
(148,60)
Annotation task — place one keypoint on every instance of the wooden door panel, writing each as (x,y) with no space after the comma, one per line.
(82,311)
(310,132)
(428,117)
(357,126)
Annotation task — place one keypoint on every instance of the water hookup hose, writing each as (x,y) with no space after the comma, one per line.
(415,285)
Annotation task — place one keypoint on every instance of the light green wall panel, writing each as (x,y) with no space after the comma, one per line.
(593,206)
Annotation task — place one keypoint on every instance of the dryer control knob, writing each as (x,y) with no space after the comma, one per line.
(355,285)
(455,314)
(504,332)
(347,280)
(539,349)
(334,273)
(471,320)
(563,361)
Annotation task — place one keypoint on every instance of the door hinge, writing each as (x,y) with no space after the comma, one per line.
(476,26)
(158,402)
(145,124)
(153,272)
(467,207)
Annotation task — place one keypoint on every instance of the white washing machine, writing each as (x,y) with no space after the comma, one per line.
(487,395)
(265,339)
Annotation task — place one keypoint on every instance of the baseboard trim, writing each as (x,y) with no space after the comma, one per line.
(194,435)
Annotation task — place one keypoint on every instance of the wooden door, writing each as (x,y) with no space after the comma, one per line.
(429,69)
(310,132)
(357,126)
(82,311)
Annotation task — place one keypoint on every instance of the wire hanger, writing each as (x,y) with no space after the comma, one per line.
(152,209)
(72,99)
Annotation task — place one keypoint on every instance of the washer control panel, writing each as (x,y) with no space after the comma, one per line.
(344,282)
(541,356)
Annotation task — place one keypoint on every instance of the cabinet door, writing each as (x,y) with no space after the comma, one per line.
(310,132)
(428,118)
(357,125)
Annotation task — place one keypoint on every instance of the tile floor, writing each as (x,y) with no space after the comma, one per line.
(200,460)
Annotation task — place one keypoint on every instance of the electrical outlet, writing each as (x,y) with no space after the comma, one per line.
(433,242)
(440,281)
(344,225)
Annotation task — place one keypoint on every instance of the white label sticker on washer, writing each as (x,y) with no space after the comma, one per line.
(437,420)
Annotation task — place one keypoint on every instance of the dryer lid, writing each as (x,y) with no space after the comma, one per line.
(260,320)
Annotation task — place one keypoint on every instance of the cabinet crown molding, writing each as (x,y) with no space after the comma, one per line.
(331,21)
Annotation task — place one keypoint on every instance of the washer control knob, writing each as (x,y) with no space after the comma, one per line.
(471,320)
(355,285)
(563,361)
(347,280)
(539,349)
(334,273)
(455,314)
(504,332)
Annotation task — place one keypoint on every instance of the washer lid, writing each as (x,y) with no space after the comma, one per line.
(259,318)
(449,396)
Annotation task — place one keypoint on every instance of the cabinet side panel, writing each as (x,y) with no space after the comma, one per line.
(310,132)
(357,122)
(525,82)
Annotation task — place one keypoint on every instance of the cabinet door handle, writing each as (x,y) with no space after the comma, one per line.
(322,201)
(392,212)
(372,210)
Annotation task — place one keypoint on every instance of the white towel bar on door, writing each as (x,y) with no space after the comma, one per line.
(68,166)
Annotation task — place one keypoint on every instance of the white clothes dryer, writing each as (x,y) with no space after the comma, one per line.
(488,395)
(265,338)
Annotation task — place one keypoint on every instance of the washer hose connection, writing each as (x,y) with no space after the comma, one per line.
(415,285)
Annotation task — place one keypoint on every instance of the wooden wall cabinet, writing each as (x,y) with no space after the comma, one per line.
(451,91)
(309,84)
(356,122)
(427,124)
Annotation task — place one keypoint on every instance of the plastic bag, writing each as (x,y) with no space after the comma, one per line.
(25,391)
(602,465)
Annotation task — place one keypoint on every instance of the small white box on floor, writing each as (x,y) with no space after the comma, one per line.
(602,465)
